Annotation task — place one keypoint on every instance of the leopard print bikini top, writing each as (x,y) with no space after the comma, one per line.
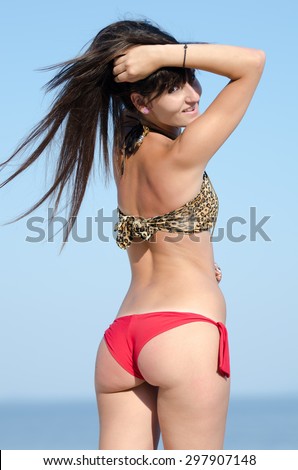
(198,215)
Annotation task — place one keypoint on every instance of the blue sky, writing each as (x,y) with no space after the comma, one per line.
(54,309)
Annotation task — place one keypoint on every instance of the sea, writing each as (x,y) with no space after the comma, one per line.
(252,423)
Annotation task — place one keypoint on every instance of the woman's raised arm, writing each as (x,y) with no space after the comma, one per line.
(205,135)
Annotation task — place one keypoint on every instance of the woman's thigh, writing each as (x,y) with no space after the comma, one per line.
(193,398)
(128,419)
(127,406)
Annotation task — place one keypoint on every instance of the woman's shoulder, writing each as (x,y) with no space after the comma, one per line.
(155,150)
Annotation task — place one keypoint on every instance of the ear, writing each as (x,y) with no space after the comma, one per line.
(139,103)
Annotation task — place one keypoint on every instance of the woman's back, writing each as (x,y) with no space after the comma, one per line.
(170,270)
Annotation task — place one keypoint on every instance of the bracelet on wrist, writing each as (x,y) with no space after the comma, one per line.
(184,58)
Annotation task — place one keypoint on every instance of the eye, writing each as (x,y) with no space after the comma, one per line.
(173,89)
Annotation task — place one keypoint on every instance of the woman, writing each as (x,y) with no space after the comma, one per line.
(163,364)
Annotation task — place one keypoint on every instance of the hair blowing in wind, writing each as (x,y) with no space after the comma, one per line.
(87,99)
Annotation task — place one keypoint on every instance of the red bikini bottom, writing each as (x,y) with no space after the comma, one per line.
(127,335)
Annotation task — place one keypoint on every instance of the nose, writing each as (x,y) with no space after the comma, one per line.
(193,92)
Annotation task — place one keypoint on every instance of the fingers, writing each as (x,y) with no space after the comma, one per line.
(218,273)
(122,77)
(119,69)
(120,74)
(119,59)
(131,65)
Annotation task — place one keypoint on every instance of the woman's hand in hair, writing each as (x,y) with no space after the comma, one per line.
(137,63)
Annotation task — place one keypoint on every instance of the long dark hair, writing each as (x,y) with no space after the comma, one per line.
(88,102)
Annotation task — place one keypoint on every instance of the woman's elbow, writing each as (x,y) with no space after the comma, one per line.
(260,57)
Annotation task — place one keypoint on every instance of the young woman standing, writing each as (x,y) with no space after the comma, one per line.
(163,364)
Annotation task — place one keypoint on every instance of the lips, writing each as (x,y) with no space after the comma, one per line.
(190,109)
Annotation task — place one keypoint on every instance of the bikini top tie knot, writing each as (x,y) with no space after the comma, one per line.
(131,226)
(198,215)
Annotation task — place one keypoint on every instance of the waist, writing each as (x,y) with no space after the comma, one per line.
(168,280)
(174,262)
(213,308)
(183,291)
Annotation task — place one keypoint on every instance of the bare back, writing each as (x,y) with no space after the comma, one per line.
(171,271)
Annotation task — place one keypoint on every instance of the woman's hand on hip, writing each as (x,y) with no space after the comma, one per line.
(137,63)
(218,273)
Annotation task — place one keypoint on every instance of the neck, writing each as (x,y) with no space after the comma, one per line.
(130,119)
(168,131)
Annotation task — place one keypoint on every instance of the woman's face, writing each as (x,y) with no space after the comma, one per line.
(176,107)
